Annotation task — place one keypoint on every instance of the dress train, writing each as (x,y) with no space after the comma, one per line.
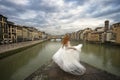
(68,59)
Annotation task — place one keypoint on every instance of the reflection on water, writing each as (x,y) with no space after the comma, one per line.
(22,64)
(55,40)
(102,56)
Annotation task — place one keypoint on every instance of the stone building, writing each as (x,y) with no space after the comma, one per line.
(19,33)
(84,35)
(116,32)
(7,31)
(35,33)
(93,37)
(25,32)
(40,34)
(30,34)
(110,36)
(100,29)
(73,36)
(12,31)
(96,37)
(3,30)
(106,26)
(100,33)
(78,35)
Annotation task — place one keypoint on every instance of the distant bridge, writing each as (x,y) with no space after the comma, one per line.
(55,38)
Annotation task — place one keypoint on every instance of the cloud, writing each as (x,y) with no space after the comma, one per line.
(28,15)
(61,16)
(19,2)
(76,2)
(101,8)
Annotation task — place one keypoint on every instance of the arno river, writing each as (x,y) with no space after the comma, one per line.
(22,64)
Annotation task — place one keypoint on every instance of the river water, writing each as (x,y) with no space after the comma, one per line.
(22,64)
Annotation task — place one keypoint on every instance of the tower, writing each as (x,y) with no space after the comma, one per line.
(106,25)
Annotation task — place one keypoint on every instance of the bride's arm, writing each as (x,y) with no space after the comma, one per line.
(71,48)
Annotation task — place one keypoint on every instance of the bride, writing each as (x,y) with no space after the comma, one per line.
(67,58)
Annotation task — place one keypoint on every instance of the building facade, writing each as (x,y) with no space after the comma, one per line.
(19,33)
(116,32)
(4,35)
(12,31)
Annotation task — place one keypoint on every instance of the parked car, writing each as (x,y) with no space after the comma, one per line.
(6,41)
(2,42)
(10,41)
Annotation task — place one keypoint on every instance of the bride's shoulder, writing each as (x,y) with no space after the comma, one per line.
(80,45)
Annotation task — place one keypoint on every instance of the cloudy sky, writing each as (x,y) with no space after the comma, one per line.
(61,16)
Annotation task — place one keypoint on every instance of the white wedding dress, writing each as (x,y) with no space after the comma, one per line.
(67,58)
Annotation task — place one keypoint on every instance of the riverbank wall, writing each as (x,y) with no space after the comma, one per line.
(10,49)
(51,71)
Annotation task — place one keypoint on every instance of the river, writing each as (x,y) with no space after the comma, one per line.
(22,64)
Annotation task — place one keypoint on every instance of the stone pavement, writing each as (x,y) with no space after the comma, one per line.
(8,47)
(51,71)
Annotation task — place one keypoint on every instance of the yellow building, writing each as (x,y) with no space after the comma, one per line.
(3,30)
(25,32)
(116,32)
(40,34)
(96,37)
(73,35)
(30,34)
(35,33)
(84,34)
(19,33)
(12,30)
(10,33)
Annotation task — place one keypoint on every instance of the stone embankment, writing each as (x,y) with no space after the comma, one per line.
(9,49)
(51,71)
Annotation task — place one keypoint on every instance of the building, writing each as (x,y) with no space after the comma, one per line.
(40,34)
(100,29)
(25,32)
(30,34)
(44,35)
(78,35)
(100,34)
(110,36)
(19,33)
(95,37)
(3,30)
(106,25)
(7,31)
(35,34)
(84,34)
(72,36)
(116,32)
(12,31)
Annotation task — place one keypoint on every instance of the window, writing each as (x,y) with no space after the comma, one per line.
(0,28)
(5,36)
(0,18)
(113,36)
(0,25)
